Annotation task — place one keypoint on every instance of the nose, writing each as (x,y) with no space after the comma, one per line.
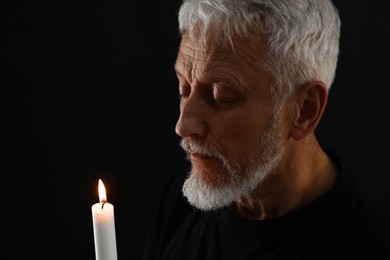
(192,119)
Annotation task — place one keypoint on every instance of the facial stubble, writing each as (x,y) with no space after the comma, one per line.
(241,180)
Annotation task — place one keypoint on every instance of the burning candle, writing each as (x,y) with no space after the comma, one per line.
(104,227)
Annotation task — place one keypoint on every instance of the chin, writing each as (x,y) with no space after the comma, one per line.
(209,189)
(212,177)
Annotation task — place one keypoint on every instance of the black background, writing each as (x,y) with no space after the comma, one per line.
(88,91)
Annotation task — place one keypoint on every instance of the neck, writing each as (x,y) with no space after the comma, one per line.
(305,174)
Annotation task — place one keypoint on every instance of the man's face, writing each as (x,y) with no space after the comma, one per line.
(227,124)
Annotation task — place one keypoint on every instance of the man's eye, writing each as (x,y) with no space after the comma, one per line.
(184,90)
(222,94)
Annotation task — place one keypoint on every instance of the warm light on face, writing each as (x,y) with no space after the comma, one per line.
(102,192)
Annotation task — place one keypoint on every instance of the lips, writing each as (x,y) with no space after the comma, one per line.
(209,169)
(205,161)
(200,157)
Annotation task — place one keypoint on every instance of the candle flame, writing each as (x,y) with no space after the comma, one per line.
(102,192)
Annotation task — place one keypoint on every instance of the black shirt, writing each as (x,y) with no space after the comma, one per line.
(342,224)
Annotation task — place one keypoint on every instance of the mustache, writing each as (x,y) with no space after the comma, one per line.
(198,146)
(201,147)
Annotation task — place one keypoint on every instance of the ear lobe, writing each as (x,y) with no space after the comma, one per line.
(313,97)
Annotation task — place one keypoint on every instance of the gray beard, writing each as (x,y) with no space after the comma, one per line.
(242,180)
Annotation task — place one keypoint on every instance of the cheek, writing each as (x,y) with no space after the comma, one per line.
(239,136)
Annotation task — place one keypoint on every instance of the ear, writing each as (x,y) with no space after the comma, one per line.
(312,99)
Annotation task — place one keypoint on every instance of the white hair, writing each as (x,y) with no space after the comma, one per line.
(301,36)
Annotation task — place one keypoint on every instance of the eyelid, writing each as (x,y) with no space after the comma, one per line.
(184,88)
(221,86)
(223,93)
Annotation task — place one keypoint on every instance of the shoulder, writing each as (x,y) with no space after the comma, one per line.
(357,219)
(363,224)
(374,219)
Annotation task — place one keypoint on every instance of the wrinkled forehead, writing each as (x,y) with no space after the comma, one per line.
(243,63)
(208,44)
(252,47)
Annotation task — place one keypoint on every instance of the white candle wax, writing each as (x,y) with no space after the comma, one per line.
(104,228)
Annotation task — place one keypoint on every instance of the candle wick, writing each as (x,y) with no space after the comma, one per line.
(103,204)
